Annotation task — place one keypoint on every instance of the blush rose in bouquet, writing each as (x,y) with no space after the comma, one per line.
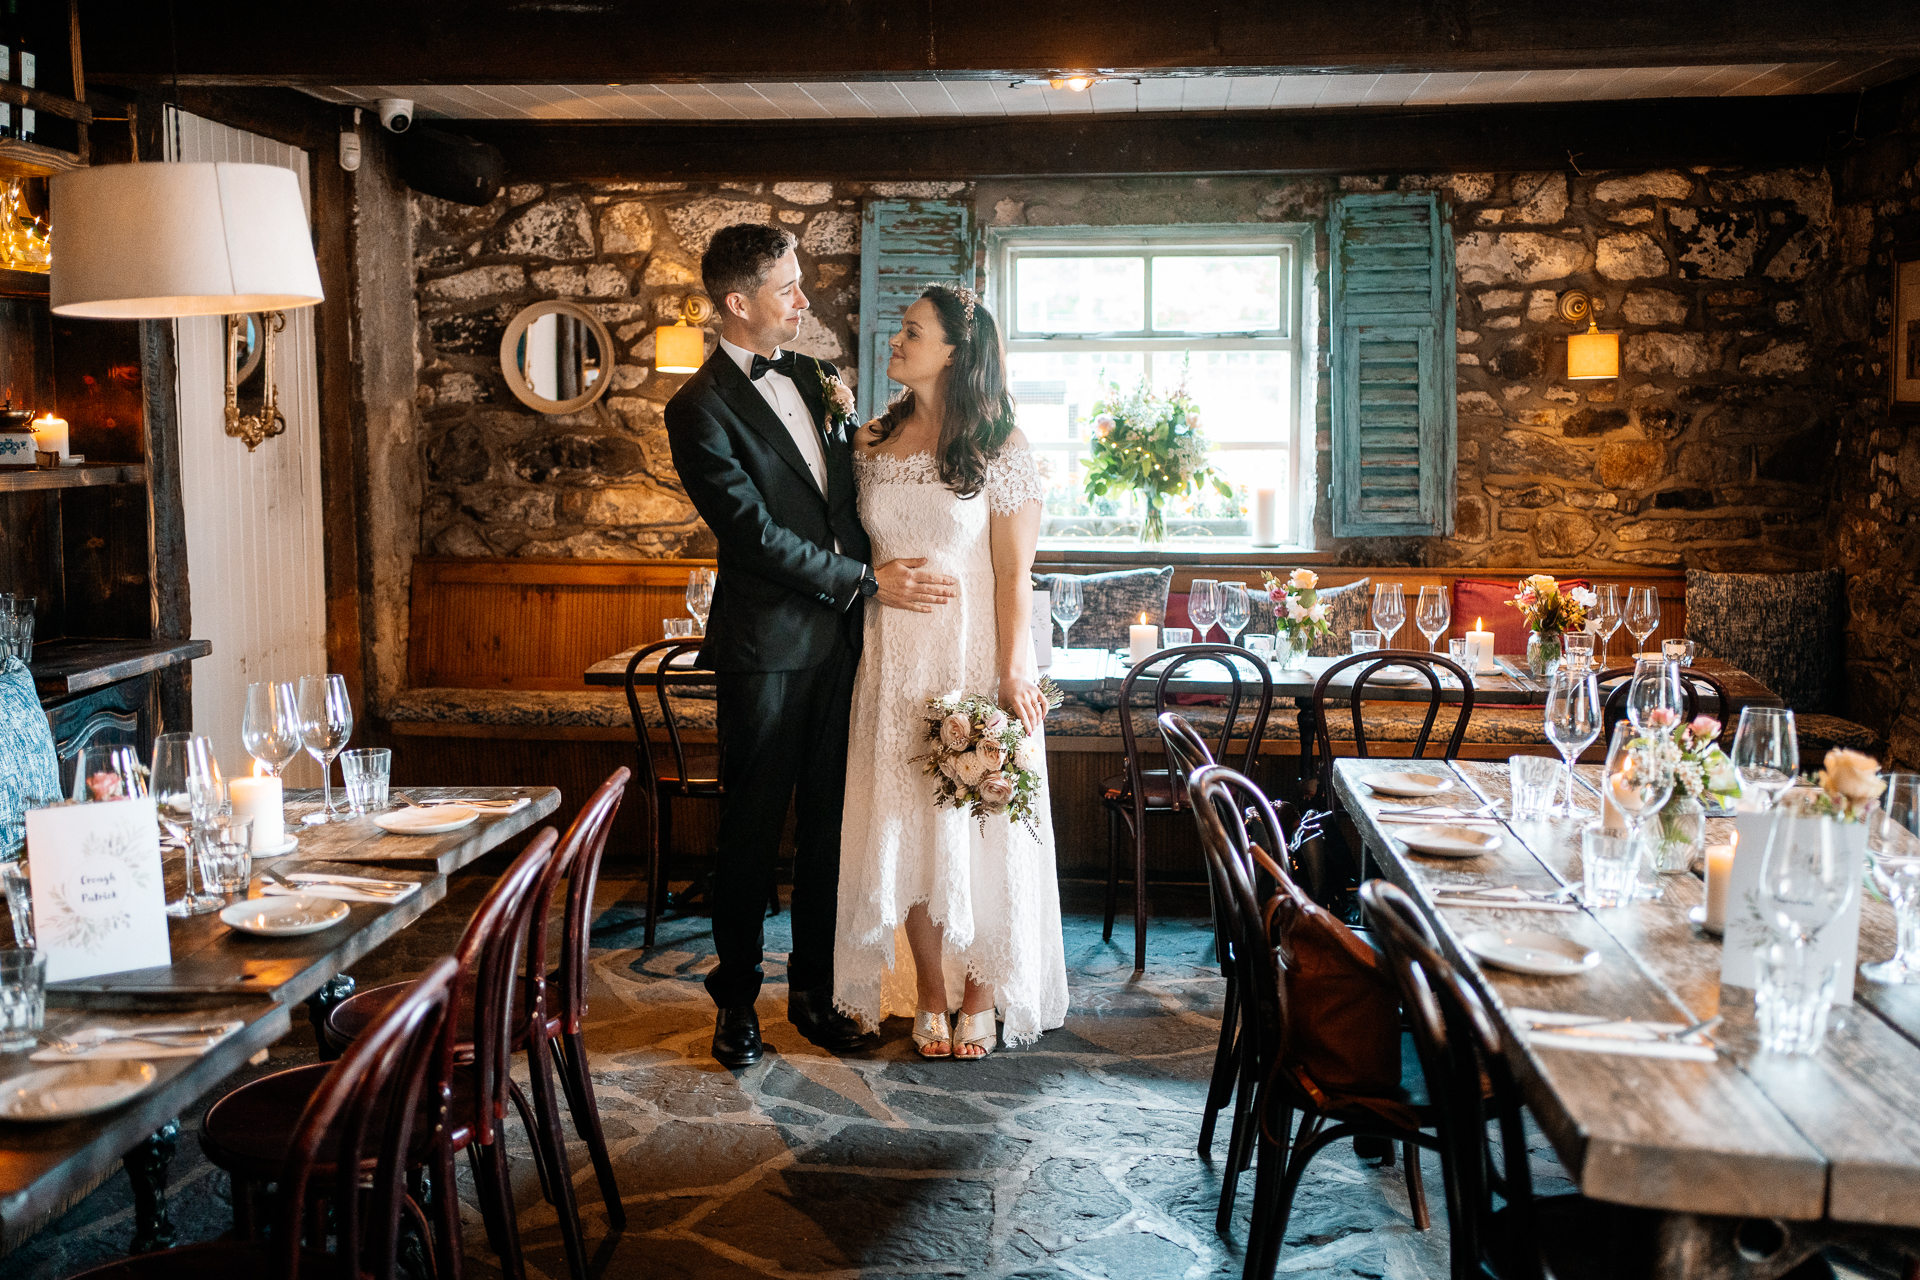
(1299,613)
(982,759)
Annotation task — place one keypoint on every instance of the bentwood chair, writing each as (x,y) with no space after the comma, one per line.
(1262,924)
(377,1113)
(1483,1142)
(1130,797)
(248,1132)
(561,994)
(666,779)
(1364,667)
(1614,709)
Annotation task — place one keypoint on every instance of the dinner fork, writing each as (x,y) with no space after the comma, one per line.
(167,1039)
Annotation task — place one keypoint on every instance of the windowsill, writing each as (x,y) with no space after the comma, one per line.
(1128,551)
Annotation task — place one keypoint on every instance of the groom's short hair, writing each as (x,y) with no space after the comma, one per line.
(739,257)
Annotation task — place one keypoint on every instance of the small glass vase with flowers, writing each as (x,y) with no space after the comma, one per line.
(1299,615)
(1550,613)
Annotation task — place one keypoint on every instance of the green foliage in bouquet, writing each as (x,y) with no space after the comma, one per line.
(1151,444)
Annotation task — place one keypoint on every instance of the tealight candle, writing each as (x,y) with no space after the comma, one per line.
(1143,641)
(1719,877)
(1480,647)
(50,435)
(261,799)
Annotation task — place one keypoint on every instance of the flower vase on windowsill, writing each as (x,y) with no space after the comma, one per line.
(1153,525)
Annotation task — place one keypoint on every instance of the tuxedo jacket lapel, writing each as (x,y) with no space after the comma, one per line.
(740,395)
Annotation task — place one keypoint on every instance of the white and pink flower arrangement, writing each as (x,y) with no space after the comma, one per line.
(1298,611)
(1550,610)
(982,759)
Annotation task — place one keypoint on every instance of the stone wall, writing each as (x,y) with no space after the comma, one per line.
(1710,450)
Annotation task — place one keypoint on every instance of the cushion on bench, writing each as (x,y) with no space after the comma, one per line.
(539,708)
(1349,608)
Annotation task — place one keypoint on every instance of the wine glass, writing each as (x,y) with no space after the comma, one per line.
(1573,718)
(1639,782)
(1655,687)
(700,585)
(1203,607)
(1804,885)
(1433,615)
(1235,610)
(1389,611)
(1605,616)
(1642,614)
(1766,752)
(326,722)
(270,727)
(1893,854)
(186,794)
(1065,594)
(108,771)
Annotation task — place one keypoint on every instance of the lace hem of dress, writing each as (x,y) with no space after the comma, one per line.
(1013,479)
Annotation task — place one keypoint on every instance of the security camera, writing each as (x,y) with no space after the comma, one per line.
(396,113)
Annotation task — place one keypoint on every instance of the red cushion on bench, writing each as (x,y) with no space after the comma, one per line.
(1489,602)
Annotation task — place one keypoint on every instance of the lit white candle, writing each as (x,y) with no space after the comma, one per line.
(1143,640)
(50,435)
(262,800)
(1719,877)
(1266,518)
(1480,647)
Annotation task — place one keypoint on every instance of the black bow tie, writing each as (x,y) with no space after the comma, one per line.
(781,364)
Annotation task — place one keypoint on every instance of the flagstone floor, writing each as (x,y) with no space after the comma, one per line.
(1072,1158)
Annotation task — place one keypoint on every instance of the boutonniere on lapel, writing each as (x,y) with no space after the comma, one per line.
(838,397)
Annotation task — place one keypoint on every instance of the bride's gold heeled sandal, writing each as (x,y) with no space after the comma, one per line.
(978,1030)
(931,1028)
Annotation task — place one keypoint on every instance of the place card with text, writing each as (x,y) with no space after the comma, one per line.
(99,901)
(1838,943)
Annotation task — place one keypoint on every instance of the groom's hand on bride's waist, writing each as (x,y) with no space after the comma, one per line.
(905,585)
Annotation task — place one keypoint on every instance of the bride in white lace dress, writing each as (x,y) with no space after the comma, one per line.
(980,914)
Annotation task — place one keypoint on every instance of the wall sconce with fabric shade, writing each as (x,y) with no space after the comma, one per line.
(1592,354)
(156,241)
(682,347)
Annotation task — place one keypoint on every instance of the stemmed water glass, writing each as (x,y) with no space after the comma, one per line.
(1893,854)
(1433,615)
(1203,607)
(1655,687)
(108,771)
(326,722)
(1573,718)
(186,793)
(1642,614)
(270,727)
(1065,594)
(700,585)
(1766,752)
(1639,782)
(1606,616)
(1389,611)
(1235,610)
(1804,885)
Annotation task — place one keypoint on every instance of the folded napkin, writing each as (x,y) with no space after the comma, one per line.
(1428,819)
(1606,1035)
(339,888)
(104,1047)
(1487,902)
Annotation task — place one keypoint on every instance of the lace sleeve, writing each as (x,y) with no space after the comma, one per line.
(1013,481)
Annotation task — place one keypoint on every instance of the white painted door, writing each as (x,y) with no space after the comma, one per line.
(253,519)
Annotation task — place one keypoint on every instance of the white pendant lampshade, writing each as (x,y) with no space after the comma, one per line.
(150,241)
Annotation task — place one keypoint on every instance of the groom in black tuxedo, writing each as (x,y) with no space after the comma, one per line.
(764,453)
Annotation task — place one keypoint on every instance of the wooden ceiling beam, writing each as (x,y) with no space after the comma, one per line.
(1617,135)
(396,42)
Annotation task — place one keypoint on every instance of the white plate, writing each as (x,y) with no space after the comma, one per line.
(1396,675)
(284,917)
(1530,951)
(279,851)
(1408,784)
(74,1089)
(1444,841)
(425,822)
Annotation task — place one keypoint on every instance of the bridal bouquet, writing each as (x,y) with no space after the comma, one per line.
(981,758)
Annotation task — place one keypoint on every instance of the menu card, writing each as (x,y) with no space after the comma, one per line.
(99,904)
(1838,944)
(1042,627)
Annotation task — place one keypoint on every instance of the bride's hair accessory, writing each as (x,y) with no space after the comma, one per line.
(968,301)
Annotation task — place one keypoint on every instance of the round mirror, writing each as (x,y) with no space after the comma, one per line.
(557,357)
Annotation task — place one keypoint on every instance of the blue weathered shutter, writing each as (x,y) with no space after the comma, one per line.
(1391,349)
(905,245)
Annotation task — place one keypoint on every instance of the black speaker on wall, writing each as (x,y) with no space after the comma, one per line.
(437,163)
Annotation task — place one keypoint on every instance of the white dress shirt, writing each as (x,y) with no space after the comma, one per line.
(784,398)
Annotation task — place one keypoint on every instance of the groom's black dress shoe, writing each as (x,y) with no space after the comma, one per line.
(813,1016)
(736,1037)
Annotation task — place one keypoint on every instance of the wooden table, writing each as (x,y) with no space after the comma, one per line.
(218,974)
(1829,1146)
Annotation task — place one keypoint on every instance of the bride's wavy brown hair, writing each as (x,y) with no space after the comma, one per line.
(976,414)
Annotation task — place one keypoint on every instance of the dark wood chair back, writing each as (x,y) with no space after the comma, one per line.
(1428,665)
(490,951)
(1463,1056)
(1692,682)
(669,650)
(1171,663)
(587,840)
(385,1099)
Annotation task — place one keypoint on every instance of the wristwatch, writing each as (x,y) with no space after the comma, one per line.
(869,585)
